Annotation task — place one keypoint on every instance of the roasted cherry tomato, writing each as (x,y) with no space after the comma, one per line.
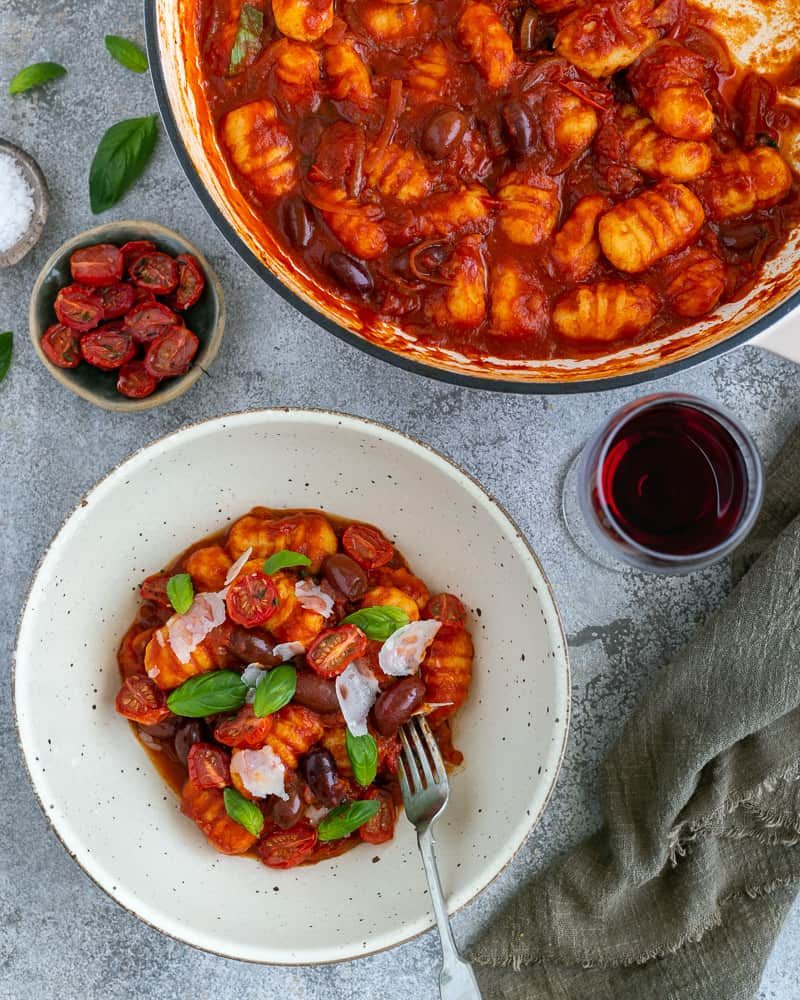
(116,299)
(251,599)
(380,827)
(155,271)
(367,546)
(62,346)
(287,848)
(208,766)
(148,316)
(133,250)
(77,308)
(101,264)
(107,348)
(190,282)
(135,382)
(243,730)
(172,353)
(154,589)
(142,295)
(335,648)
(142,701)
(447,609)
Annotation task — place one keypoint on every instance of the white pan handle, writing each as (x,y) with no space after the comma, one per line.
(782,338)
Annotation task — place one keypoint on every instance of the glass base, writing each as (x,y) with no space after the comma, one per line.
(577,527)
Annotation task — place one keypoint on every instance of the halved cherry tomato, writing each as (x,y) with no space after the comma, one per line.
(135,382)
(77,308)
(142,701)
(380,827)
(171,354)
(142,295)
(133,250)
(107,348)
(367,546)
(154,589)
(191,282)
(287,848)
(251,599)
(116,299)
(147,316)
(447,609)
(101,264)
(208,766)
(336,648)
(62,346)
(244,730)
(155,271)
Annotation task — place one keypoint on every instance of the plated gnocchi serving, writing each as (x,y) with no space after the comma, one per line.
(268,671)
(503,178)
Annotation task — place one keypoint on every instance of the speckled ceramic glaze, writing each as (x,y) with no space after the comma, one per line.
(110,807)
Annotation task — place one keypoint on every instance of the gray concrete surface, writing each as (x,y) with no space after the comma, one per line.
(61,936)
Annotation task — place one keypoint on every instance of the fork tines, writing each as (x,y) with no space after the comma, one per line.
(421,764)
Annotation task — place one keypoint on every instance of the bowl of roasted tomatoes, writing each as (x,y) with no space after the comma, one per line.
(236,657)
(127,315)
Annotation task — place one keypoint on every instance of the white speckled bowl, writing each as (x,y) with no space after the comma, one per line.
(110,808)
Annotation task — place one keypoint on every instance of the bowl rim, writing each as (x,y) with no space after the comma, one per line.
(333,417)
(655,371)
(178,386)
(41,205)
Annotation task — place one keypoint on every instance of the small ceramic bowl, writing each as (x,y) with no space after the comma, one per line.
(41,202)
(206,319)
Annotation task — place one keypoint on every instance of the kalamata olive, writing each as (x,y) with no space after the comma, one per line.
(396,705)
(297,221)
(322,778)
(286,812)
(345,573)
(163,730)
(443,133)
(518,127)
(252,645)
(185,738)
(349,272)
(316,692)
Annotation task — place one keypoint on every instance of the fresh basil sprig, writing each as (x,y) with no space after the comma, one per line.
(341,821)
(243,811)
(35,75)
(378,622)
(6,348)
(284,560)
(180,592)
(363,754)
(127,53)
(247,43)
(207,694)
(275,690)
(122,155)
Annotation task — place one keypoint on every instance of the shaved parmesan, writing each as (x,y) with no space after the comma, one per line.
(286,650)
(186,632)
(315,814)
(313,598)
(261,772)
(430,706)
(405,649)
(357,690)
(236,569)
(251,676)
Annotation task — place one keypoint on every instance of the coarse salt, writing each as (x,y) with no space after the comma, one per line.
(16,203)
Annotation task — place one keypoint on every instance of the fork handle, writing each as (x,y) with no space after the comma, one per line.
(457,980)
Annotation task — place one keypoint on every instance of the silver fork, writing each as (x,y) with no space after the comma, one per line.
(426,790)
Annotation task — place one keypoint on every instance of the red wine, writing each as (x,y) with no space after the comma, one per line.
(674,480)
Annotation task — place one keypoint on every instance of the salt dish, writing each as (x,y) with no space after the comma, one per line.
(24,203)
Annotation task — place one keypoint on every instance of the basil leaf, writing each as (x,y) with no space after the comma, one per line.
(341,821)
(378,622)
(6,347)
(127,53)
(243,811)
(363,754)
(35,75)
(121,157)
(285,559)
(247,43)
(207,694)
(275,690)
(180,592)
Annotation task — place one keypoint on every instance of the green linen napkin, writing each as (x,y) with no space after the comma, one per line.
(681,893)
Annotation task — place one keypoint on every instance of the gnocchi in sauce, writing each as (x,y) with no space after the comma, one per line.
(504,179)
(269,670)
